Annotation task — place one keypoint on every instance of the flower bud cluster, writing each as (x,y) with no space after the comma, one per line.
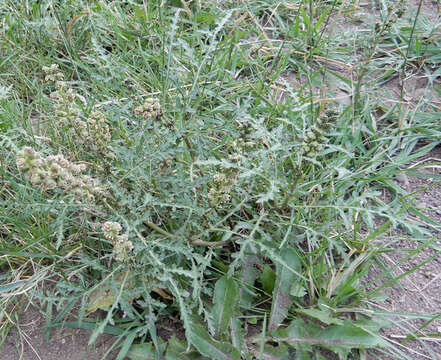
(121,243)
(53,73)
(91,135)
(99,132)
(315,138)
(66,109)
(220,189)
(56,172)
(65,98)
(226,177)
(394,12)
(150,108)
(238,148)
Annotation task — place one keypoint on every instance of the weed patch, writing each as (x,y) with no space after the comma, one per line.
(151,171)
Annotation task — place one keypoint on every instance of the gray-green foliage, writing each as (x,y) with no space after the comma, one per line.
(217,202)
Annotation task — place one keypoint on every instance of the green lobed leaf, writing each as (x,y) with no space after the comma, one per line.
(338,338)
(178,350)
(322,315)
(207,346)
(342,338)
(297,329)
(279,352)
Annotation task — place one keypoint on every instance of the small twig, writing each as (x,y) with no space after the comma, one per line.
(187,9)
(158,229)
(407,348)
(74,19)
(431,281)
(268,40)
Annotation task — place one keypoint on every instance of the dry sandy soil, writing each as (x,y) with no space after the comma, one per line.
(27,342)
(419,292)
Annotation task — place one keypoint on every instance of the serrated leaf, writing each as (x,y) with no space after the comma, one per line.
(373,325)
(297,329)
(177,350)
(338,338)
(322,315)
(269,195)
(343,338)
(285,279)
(225,301)
(202,341)
(279,352)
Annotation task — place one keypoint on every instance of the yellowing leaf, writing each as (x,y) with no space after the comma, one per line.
(100,300)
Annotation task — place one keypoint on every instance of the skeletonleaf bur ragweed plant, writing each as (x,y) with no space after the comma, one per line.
(211,200)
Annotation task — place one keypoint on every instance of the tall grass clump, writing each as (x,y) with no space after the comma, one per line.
(150,170)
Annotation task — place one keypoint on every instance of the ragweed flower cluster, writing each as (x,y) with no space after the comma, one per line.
(122,246)
(91,135)
(65,98)
(226,177)
(315,138)
(394,12)
(220,188)
(150,109)
(99,132)
(53,73)
(238,148)
(56,172)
